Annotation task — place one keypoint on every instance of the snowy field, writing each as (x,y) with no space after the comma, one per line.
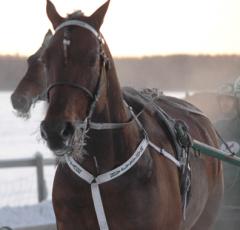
(27,216)
(21,139)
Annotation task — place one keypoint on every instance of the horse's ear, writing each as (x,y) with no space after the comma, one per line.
(53,15)
(49,33)
(98,16)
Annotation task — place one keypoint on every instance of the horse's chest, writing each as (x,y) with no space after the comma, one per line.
(121,213)
(130,208)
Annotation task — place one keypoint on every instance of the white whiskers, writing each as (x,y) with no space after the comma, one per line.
(22,115)
(79,141)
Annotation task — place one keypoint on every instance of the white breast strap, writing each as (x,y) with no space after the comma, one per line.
(88,177)
(108,176)
(79,170)
(96,181)
(125,166)
(98,205)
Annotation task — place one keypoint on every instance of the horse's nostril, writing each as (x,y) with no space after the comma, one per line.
(53,130)
(43,131)
(19,102)
(67,130)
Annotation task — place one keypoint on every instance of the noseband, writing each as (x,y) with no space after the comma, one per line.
(84,89)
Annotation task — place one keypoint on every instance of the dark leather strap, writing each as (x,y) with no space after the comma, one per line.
(73,85)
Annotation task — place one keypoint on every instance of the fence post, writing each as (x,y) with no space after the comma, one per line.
(41,185)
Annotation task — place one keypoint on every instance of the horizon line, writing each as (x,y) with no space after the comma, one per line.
(139,56)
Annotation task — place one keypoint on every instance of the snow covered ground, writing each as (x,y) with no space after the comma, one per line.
(20,139)
(27,216)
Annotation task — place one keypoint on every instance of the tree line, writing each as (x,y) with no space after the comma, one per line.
(173,72)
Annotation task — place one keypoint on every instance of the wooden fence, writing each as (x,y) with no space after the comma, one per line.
(37,161)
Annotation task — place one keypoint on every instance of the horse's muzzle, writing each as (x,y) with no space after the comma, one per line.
(56,133)
(20,102)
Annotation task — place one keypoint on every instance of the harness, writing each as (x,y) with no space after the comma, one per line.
(176,129)
(87,124)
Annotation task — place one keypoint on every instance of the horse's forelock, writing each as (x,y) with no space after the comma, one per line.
(76,15)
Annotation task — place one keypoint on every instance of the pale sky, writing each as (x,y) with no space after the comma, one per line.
(132,27)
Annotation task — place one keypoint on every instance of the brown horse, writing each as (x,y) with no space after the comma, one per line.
(33,84)
(211,108)
(91,128)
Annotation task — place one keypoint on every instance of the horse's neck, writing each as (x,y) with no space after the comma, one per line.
(113,147)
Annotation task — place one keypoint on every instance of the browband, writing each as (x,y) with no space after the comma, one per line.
(80,24)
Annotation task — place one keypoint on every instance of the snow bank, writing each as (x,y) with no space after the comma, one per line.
(27,216)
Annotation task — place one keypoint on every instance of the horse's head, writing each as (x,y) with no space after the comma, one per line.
(32,85)
(74,63)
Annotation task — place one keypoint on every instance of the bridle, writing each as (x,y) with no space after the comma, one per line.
(83,126)
(103,61)
(104,67)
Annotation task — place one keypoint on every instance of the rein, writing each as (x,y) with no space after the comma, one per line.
(87,124)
